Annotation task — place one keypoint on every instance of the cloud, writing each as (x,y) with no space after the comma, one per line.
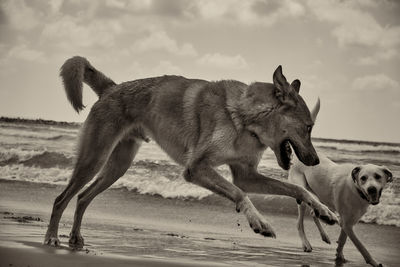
(376,57)
(159,40)
(375,82)
(166,67)
(251,12)
(20,16)
(23,52)
(223,61)
(353,26)
(69,32)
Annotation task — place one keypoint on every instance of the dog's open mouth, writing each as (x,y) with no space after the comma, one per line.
(285,154)
(374,199)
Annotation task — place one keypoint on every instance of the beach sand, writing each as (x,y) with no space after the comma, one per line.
(123,228)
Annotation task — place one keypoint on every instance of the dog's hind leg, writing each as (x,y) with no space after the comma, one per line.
(98,138)
(118,163)
(300,228)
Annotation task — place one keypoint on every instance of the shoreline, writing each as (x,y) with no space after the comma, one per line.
(271,204)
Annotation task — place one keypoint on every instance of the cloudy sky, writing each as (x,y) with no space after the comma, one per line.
(345,52)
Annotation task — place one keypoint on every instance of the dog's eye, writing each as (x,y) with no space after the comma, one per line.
(377,176)
(363,178)
(253,134)
(309,128)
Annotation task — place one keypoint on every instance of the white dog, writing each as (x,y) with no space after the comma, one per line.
(347,189)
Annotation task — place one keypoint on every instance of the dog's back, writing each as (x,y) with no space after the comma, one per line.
(322,180)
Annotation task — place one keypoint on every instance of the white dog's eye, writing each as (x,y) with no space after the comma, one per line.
(377,176)
(363,178)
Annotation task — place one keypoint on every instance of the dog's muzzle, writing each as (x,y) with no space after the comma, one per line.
(373,195)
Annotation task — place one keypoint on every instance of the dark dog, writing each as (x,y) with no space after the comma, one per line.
(200,125)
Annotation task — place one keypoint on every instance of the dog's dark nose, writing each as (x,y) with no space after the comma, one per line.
(372,190)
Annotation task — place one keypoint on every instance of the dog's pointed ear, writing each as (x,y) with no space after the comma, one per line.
(388,174)
(296,85)
(354,173)
(315,110)
(280,81)
(281,85)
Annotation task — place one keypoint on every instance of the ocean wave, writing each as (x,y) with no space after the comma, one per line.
(362,148)
(45,133)
(49,160)
(41,136)
(165,180)
(15,155)
(145,183)
(138,179)
(393,152)
(38,158)
(20,172)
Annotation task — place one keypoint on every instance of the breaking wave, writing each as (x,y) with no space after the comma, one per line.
(45,154)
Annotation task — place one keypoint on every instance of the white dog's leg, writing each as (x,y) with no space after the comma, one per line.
(339,251)
(300,228)
(368,258)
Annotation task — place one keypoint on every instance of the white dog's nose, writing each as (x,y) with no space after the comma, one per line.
(372,190)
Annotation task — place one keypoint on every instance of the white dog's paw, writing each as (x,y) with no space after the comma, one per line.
(340,260)
(255,219)
(307,247)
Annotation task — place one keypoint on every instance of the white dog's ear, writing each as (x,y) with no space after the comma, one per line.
(315,110)
(388,174)
(354,173)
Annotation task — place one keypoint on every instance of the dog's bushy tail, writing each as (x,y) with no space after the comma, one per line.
(77,70)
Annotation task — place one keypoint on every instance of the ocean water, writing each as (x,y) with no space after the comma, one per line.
(45,154)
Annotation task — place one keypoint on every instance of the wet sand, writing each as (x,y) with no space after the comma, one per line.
(122,228)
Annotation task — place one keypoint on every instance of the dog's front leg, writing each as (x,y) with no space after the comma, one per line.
(339,251)
(204,175)
(364,252)
(249,180)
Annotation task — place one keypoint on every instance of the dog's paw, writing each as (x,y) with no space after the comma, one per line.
(374,263)
(255,219)
(322,212)
(307,247)
(340,260)
(262,227)
(76,241)
(52,241)
(325,238)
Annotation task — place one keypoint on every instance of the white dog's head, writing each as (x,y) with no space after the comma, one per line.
(370,180)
